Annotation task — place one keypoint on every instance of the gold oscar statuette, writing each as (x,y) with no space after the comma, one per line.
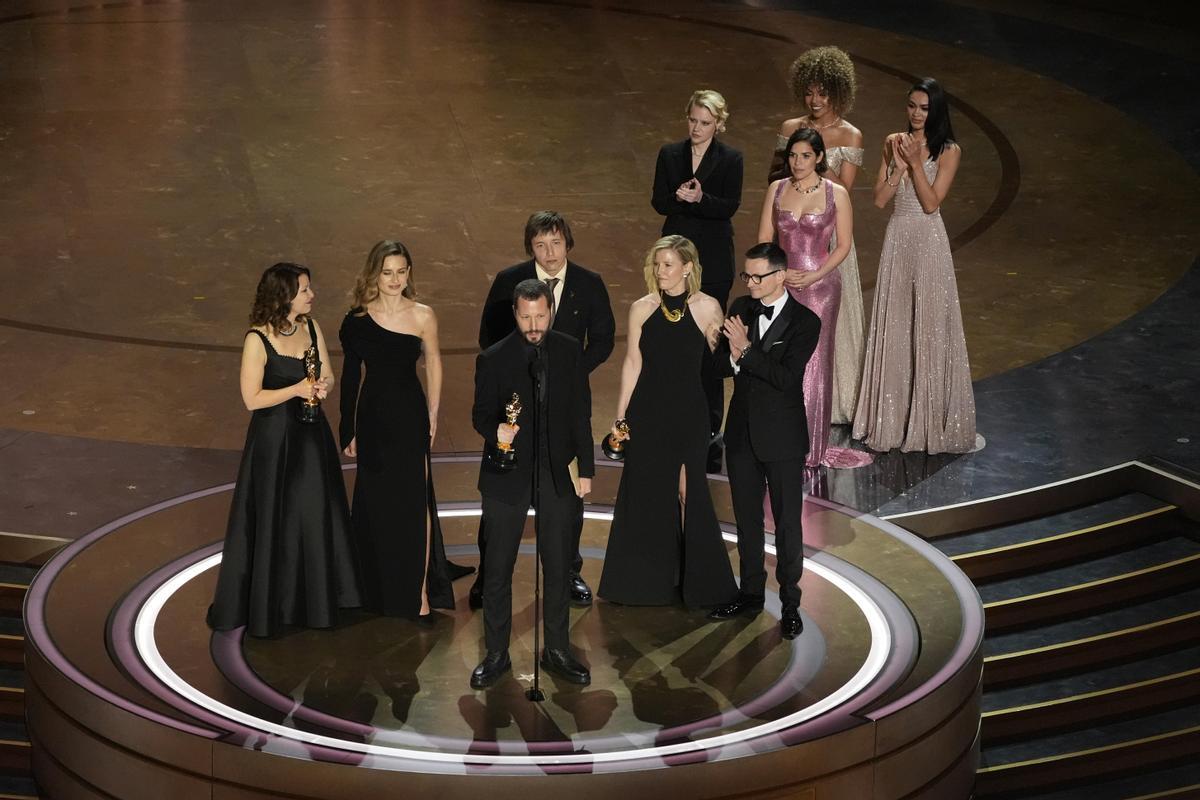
(312,371)
(503,456)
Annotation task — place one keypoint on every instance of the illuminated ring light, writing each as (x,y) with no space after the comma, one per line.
(881,645)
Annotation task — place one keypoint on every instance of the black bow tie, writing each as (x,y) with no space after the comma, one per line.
(766,311)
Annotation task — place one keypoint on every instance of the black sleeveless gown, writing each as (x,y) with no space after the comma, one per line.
(393,497)
(650,560)
(288,558)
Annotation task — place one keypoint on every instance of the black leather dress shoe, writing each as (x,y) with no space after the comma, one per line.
(494,664)
(475,597)
(456,571)
(790,624)
(743,606)
(565,666)
(581,594)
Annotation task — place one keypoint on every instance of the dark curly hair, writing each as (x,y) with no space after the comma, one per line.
(813,138)
(832,70)
(366,286)
(277,288)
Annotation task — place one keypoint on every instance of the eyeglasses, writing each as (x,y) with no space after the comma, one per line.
(758,279)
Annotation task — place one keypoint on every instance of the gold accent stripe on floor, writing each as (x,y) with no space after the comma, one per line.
(999,712)
(1098,637)
(1195,557)
(1108,748)
(1059,536)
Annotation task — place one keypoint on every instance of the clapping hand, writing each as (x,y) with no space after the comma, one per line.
(737,333)
(910,149)
(689,192)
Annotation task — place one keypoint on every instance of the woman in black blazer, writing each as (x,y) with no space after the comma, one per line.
(698,188)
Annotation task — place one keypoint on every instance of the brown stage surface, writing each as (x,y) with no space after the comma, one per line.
(130,695)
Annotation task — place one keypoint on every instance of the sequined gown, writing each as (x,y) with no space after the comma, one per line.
(806,240)
(650,560)
(916,391)
(851,326)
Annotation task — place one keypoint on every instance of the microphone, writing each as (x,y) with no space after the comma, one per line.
(537,371)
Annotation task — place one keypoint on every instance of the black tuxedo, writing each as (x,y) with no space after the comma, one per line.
(707,224)
(501,371)
(766,440)
(584,312)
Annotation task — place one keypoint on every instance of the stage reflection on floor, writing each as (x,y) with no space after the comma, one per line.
(888,658)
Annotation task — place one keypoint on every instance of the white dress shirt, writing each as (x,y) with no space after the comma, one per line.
(764,323)
(558,287)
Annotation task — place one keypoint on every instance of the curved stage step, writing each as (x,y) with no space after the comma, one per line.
(1092,593)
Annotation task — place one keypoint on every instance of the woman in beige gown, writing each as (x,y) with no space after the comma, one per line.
(823,81)
(916,391)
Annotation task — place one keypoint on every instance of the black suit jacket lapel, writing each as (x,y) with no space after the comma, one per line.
(779,325)
(708,163)
(567,304)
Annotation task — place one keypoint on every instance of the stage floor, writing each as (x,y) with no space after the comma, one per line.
(888,665)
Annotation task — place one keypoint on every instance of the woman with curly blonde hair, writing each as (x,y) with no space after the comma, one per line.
(665,544)
(823,82)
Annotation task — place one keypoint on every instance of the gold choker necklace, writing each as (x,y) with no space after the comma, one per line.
(671,314)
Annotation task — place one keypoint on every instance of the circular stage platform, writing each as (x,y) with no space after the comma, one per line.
(130,695)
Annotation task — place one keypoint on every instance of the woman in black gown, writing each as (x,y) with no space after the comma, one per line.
(388,426)
(665,543)
(697,190)
(288,558)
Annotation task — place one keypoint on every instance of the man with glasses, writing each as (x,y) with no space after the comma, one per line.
(768,339)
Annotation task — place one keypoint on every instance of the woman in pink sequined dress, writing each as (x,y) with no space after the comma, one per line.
(916,391)
(802,212)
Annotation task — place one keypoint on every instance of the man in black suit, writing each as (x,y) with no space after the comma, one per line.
(581,309)
(565,433)
(768,340)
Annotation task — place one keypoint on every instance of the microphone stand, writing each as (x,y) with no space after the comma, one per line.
(537,371)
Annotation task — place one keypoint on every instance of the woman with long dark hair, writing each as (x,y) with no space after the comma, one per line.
(288,558)
(823,82)
(803,212)
(388,424)
(916,391)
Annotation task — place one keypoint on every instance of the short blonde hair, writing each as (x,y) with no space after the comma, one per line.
(680,246)
(711,101)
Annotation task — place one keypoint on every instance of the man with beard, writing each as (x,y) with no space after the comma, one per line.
(581,309)
(564,433)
